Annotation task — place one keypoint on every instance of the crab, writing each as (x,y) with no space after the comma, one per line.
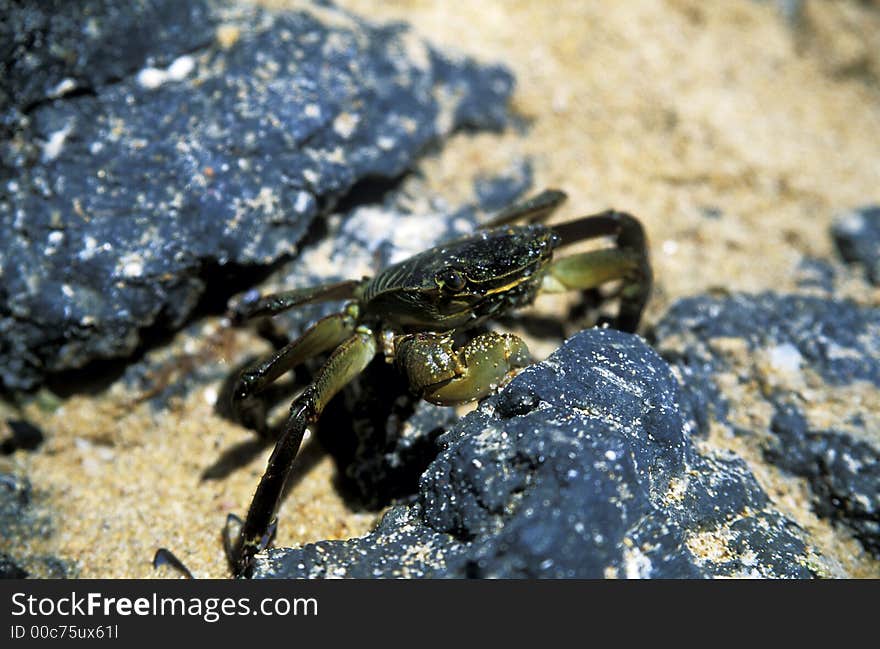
(415,312)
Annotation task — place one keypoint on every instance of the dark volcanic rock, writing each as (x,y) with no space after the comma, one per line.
(814,364)
(118,201)
(835,338)
(843,471)
(22,522)
(581,467)
(9,569)
(54,47)
(857,236)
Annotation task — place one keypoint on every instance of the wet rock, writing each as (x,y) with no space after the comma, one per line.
(494,193)
(54,48)
(857,237)
(400,546)
(583,466)
(23,523)
(843,471)
(120,201)
(837,339)
(9,569)
(797,374)
(16,497)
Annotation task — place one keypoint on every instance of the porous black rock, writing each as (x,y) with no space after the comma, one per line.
(119,202)
(835,338)
(857,237)
(842,470)
(22,523)
(582,466)
(814,364)
(9,569)
(54,47)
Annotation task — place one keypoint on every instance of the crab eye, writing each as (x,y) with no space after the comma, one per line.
(450,279)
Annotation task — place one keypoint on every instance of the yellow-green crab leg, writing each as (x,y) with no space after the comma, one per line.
(628,262)
(325,334)
(347,361)
(441,374)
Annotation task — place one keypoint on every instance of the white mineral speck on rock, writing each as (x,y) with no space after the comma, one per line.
(62,88)
(180,68)
(637,565)
(302,201)
(345,124)
(132,265)
(386,143)
(52,147)
(151,78)
(310,175)
(785,358)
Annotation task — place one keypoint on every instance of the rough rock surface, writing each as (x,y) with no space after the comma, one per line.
(582,466)
(800,376)
(23,520)
(119,201)
(54,48)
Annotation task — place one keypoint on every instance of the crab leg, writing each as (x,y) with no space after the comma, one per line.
(325,334)
(533,209)
(628,262)
(346,362)
(625,228)
(443,375)
(278,302)
(594,268)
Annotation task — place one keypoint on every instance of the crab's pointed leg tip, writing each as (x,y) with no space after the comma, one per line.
(159,558)
(231,531)
(269,535)
(165,557)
